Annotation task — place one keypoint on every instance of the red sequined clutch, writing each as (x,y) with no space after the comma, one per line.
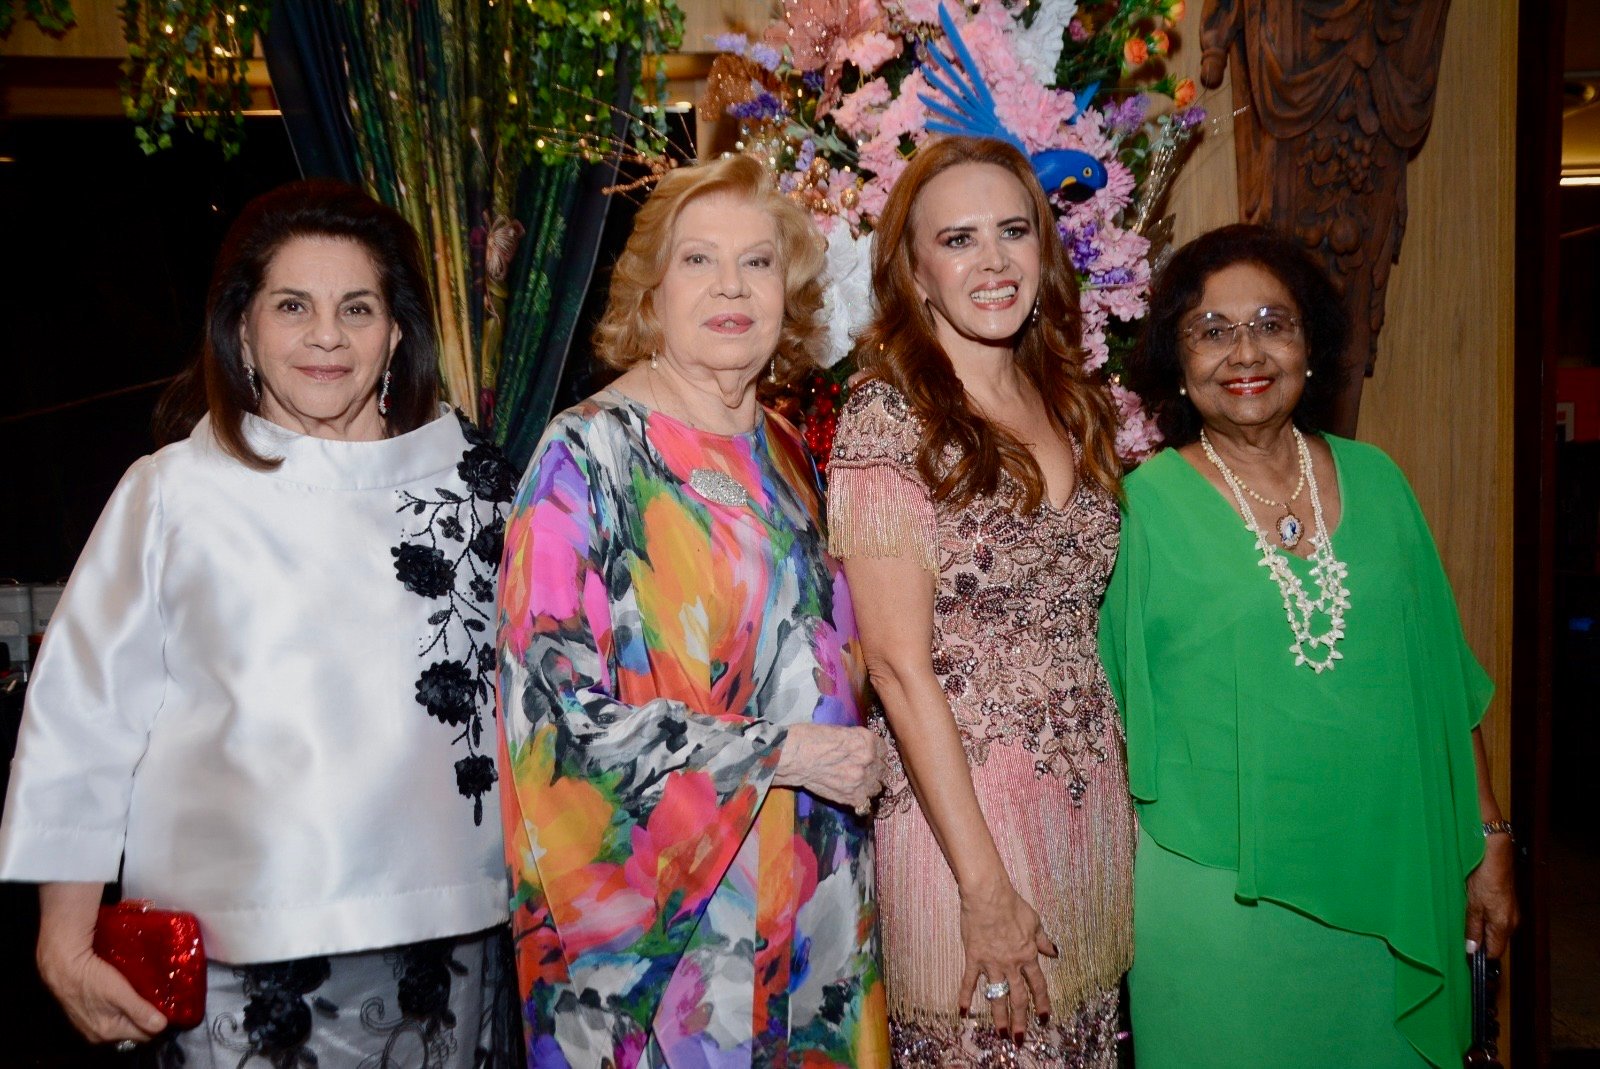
(160,953)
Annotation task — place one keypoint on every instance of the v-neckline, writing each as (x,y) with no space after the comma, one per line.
(1222,501)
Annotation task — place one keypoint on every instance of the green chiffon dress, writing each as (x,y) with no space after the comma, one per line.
(1300,888)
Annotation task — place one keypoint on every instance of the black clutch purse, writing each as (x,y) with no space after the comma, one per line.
(1485,1050)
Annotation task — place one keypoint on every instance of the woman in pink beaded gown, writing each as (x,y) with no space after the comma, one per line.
(973,500)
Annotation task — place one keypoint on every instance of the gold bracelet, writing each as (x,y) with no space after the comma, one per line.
(1498,827)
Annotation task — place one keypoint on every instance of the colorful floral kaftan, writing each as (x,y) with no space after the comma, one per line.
(671,907)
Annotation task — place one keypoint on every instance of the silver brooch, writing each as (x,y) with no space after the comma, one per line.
(718,486)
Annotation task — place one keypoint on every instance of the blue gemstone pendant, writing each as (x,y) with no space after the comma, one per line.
(1289,530)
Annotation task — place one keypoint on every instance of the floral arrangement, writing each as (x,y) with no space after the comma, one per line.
(838,93)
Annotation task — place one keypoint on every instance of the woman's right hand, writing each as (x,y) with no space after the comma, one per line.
(844,765)
(97,999)
(1003,940)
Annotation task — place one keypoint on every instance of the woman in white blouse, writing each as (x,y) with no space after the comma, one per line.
(265,692)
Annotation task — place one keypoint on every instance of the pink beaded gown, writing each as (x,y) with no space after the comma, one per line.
(1016,611)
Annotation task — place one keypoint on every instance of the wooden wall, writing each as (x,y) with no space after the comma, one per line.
(1440,401)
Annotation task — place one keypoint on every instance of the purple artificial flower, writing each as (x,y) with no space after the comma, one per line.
(765,56)
(762,106)
(813,80)
(1081,247)
(807,153)
(1191,117)
(730,42)
(1128,115)
(1117,276)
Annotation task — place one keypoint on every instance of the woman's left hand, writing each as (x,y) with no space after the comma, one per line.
(1492,898)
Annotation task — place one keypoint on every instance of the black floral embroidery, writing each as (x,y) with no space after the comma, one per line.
(453,557)
(277,1017)
(447,689)
(488,543)
(423,570)
(474,775)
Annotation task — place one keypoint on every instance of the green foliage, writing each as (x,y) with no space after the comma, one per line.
(1105,28)
(187,62)
(559,82)
(51,16)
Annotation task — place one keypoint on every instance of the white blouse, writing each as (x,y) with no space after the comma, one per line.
(270,695)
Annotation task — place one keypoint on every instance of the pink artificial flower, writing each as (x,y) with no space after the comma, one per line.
(925,12)
(858,113)
(905,113)
(1095,350)
(1077,31)
(871,50)
(1137,435)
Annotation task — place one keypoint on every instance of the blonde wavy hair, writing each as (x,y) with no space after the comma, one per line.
(629,331)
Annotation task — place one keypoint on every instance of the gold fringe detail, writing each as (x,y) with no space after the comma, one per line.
(876,511)
(1073,864)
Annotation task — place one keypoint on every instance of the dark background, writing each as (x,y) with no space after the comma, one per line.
(105,254)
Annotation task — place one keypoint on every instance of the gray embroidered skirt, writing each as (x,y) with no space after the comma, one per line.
(440,1004)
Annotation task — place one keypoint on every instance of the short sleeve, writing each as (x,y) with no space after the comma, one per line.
(97,689)
(878,504)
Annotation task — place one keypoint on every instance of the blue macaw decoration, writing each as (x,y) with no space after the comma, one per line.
(1074,174)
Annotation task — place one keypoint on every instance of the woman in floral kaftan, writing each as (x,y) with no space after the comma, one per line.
(680,682)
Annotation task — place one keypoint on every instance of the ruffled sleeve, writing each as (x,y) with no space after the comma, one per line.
(878,504)
(621,819)
(97,689)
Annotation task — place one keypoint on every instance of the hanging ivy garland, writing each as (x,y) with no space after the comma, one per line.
(561,74)
(188,61)
(51,16)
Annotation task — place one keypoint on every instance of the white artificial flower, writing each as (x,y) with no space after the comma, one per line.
(847,292)
(1039,45)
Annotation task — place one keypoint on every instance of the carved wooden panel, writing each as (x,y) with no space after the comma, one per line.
(1338,96)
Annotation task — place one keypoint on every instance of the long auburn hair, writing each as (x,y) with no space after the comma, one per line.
(216,382)
(901,347)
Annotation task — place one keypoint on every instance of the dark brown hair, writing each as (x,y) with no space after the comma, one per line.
(1154,370)
(629,332)
(901,347)
(216,383)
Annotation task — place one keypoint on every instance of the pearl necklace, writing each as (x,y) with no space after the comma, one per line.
(1290,526)
(1333,597)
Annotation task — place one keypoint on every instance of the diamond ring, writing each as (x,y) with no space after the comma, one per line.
(997,990)
(125,1046)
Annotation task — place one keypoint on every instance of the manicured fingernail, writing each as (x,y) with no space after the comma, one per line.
(1044,1019)
(962,1010)
(1472,946)
(1017,1038)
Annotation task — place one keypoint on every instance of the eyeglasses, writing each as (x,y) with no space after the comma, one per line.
(1213,334)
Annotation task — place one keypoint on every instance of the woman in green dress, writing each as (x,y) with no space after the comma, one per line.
(1318,831)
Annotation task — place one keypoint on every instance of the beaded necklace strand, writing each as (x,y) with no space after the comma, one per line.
(1329,573)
